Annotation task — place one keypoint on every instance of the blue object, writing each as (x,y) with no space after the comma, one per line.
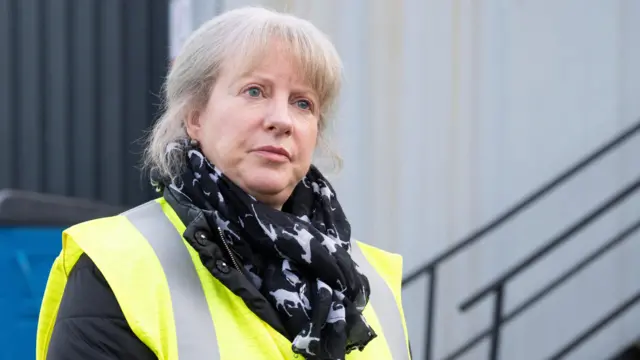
(26,256)
(31,226)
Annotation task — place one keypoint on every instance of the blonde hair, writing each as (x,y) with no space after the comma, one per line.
(240,38)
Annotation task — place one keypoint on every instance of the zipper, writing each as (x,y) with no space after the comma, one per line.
(226,246)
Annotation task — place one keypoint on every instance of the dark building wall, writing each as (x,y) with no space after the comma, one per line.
(79,85)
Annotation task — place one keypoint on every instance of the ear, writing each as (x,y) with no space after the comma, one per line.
(193,125)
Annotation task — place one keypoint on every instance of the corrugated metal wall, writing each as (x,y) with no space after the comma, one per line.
(79,81)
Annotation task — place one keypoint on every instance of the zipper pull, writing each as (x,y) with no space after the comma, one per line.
(226,246)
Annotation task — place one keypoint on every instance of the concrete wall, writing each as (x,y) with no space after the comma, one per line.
(453,110)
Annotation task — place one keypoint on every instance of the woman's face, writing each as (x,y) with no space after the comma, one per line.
(260,128)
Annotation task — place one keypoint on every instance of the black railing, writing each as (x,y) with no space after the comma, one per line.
(597,326)
(500,320)
(497,287)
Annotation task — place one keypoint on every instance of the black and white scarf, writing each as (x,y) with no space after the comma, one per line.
(298,258)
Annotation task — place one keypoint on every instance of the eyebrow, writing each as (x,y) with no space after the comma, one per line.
(304,89)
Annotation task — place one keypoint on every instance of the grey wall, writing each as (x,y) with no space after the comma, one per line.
(453,110)
(79,81)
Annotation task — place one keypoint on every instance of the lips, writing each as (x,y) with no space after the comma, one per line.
(274,151)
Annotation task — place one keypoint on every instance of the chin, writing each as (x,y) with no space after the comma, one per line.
(268,182)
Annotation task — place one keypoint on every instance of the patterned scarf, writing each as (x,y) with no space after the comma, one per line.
(298,258)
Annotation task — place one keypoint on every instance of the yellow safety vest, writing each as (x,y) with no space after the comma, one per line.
(165,291)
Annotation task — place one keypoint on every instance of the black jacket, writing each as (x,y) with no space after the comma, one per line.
(90,323)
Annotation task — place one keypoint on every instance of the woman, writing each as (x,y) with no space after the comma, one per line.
(247,254)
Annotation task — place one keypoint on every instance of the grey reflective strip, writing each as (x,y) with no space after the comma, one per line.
(195,333)
(384,304)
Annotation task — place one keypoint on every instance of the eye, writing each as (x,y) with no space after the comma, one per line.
(303,104)
(254,91)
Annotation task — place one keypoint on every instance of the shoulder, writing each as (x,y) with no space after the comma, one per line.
(387,264)
(106,227)
(110,237)
(120,222)
(379,256)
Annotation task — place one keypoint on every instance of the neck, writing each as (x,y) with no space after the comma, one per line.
(273,200)
(269,201)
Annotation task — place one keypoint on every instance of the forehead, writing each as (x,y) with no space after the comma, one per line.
(277,59)
(299,63)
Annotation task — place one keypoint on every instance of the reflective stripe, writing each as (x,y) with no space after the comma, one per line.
(195,333)
(384,304)
(196,336)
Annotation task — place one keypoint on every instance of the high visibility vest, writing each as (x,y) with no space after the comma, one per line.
(178,309)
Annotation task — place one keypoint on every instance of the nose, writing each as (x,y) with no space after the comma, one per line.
(278,118)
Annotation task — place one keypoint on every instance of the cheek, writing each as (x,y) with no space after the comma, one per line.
(216,137)
(307,141)
(231,133)
(213,131)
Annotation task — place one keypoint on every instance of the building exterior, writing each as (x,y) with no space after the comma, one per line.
(454,110)
(79,83)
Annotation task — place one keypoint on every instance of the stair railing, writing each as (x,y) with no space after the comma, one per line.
(497,287)
(430,269)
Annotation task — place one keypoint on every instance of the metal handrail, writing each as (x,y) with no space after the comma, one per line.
(597,326)
(430,268)
(551,245)
(497,287)
(528,200)
(552,285)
